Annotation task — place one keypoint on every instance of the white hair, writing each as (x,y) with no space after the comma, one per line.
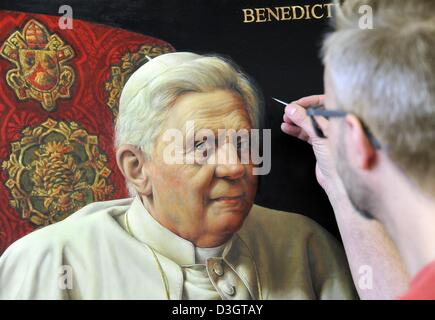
(140,121)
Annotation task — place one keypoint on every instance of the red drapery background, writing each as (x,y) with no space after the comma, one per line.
(59,92)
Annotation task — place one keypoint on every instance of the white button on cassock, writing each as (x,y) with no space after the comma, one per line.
(228,289)
(217,268)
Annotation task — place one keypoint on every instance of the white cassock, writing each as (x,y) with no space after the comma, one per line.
(116,250)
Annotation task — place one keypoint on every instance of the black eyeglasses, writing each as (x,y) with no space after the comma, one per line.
(320,111)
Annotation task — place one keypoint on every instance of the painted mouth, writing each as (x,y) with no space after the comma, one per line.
(230,201)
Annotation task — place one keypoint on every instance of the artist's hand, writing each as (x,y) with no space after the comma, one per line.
(298,124)
(365,241)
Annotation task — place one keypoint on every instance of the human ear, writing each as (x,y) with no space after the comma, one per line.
(360,150)
(134,167)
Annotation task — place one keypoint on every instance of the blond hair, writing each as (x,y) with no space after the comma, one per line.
(386,77)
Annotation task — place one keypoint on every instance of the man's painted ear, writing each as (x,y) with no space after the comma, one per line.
(360,150)
(134,167)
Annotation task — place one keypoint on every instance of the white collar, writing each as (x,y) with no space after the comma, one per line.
(202,254)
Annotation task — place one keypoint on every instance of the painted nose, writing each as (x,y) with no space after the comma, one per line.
(228,163)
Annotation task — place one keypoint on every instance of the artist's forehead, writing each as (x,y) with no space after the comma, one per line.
(211,110)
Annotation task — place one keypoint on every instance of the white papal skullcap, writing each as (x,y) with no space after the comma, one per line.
(151,70)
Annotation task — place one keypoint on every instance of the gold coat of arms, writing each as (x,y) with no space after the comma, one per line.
(40,72)
(55,169)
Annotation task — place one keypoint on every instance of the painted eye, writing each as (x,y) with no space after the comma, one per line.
(200,146)
(202,151)
(242,144)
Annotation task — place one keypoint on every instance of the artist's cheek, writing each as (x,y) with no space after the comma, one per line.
(333,140)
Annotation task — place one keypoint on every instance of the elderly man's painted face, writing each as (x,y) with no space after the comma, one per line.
(203,202)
